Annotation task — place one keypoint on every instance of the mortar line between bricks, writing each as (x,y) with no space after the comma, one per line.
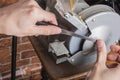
(5,55)
(21,40)
(26,50)
(18,68)
(5,72)
(37,73)
(9,47)
(16,62)
(35,57)
(21,67)
(5,38)
(26,77)
(24,43)
(10,54)
(5,47)
(8,71)
(20,53)
(29,58)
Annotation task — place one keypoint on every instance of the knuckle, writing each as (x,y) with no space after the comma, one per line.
(33,9)
(53,17)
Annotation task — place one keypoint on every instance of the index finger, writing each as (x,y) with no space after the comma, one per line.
(47,16)
(115,48)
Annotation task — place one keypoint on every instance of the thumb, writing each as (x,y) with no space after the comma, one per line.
(102,53)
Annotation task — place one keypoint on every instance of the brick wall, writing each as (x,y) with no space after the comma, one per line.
(26,57)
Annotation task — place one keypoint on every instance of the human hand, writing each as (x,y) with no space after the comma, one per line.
(19,19)
(100,70)
(114,56)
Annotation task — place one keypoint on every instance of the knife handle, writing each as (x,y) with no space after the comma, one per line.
(45,23)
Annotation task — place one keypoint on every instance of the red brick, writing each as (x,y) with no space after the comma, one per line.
(7,59)
(23,62)
(19,64)
(7,79)
(22,47)
(38,72)
(35,60)
(25,39)
(5,68)
(36,77)
(18,40)
(4,36)
(4,52)
(5,42)
(28,54)
(8,74)
(33,70)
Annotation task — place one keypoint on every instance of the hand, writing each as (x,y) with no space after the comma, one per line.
(100,70)
(19,19)
(115,56)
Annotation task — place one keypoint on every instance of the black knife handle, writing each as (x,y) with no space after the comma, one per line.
(45,23)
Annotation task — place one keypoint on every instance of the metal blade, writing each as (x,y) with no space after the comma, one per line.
(66,32)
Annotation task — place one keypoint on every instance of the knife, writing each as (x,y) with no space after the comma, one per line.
(67,32)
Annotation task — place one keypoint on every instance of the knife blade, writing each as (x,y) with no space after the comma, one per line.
(70,33)
(67,32)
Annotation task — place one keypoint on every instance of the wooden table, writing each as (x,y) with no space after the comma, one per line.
(63,71)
